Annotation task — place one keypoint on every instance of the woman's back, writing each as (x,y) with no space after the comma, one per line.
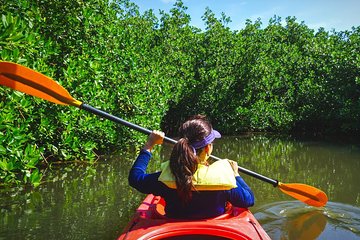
(203,204)
(191,151)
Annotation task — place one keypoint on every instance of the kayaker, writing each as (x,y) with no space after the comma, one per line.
(190,186)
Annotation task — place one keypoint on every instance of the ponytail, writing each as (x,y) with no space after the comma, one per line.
(183,159)
(183,164)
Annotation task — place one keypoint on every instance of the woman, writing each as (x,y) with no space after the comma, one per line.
(185,193)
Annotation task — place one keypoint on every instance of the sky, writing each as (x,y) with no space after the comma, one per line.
(338,15)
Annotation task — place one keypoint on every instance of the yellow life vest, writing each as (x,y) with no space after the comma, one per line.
(217,176)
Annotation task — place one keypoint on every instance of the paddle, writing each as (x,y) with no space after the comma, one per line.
(28,81)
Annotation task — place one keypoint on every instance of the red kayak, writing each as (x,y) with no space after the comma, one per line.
(149,222)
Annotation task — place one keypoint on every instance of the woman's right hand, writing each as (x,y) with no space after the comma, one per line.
(155,137)
(234,166)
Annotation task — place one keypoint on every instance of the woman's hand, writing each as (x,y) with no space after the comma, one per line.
(156,137)
(234,166)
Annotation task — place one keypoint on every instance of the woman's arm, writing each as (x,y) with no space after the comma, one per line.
(138,178)
(241,196)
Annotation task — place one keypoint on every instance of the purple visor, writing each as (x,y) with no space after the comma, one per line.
(207,140)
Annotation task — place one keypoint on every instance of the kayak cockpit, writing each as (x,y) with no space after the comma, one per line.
(159,211)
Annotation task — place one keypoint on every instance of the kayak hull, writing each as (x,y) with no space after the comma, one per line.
(150,223)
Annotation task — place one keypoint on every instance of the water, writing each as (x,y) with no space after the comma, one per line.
(84,202)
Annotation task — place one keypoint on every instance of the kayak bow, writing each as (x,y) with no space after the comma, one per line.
(149,222)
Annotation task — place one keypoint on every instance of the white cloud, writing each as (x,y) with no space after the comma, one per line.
(168,1)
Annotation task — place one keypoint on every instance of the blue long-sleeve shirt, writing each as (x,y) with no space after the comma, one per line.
(203,204)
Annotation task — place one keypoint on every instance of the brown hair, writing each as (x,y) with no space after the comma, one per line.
(183,160)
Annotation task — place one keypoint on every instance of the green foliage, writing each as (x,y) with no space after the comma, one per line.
(19,152)
(156,72)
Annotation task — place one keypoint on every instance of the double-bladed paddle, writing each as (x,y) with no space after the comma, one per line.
(28,81)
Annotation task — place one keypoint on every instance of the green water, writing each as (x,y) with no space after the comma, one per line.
(82,202)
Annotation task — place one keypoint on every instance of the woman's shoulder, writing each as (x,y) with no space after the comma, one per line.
(217,176)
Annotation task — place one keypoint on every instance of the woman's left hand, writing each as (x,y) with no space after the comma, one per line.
(156,137)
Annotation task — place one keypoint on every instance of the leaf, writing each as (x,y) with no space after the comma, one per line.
(4,22)
(35,178)
(3,165)
(2,149)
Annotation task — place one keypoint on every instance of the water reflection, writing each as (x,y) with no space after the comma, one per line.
(77,202)
(294,220)
(95,202)
(330,167)
(290,220)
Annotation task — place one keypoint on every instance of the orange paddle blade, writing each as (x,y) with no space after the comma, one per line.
(28,81)
(305,193)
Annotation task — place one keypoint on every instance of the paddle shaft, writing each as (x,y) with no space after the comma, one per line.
(28,81)
(253,174)
(167,139)
(121,121)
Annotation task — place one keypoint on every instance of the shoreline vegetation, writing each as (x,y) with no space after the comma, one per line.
(283,78)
